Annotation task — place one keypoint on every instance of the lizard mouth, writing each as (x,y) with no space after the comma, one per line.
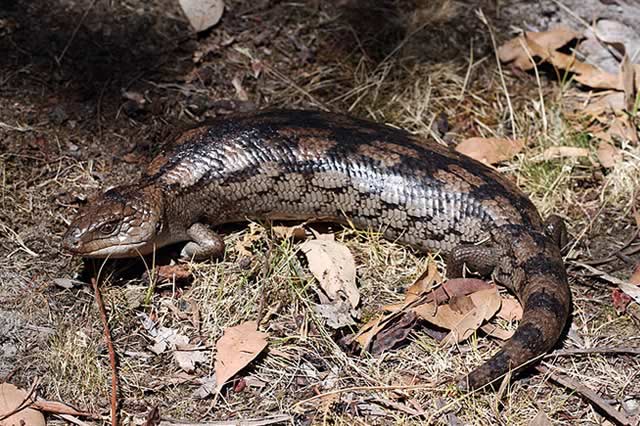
(114,251)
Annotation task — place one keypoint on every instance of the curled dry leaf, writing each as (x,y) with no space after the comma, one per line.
(237,347)
(490,150)
(296,232)
(425,282)
(334,267)
(202,14)
(513,50)
(11,397)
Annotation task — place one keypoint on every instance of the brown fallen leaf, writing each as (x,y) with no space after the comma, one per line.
(237,347)
(425,282)
(463,315)
(333,266)
(586,74)
(510,309)
(202,14)
(392,335)
(608,155)
(611,102)
(490,150)
(513,51)
(555,152)
(496,331)
(178,272)
(623,129)
(296,232)
(11,398)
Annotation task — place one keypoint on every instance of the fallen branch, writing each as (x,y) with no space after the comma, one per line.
(112,353)
(586,393)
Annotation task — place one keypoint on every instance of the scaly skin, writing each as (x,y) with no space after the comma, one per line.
(304,165)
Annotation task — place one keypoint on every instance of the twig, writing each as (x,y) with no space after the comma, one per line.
(73,35)
(71,419)
(586,393)
(596,350)
(619,251)
(60,408)
(112,353)
(598,273)
(279,418)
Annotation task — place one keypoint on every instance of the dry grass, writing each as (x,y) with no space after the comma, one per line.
(305,372)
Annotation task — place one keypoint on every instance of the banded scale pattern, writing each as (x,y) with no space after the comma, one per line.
(290,164)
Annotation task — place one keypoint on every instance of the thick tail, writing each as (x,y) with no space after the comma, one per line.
(537,275)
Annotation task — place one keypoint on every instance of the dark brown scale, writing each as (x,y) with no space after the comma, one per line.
(302,165)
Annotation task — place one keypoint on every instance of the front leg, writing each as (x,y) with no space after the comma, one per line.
(204,243)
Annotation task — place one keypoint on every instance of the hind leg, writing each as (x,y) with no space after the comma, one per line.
(480,259)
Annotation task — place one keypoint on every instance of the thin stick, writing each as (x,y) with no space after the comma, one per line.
(73,35)
(598,350)
(586,393)
(112,353)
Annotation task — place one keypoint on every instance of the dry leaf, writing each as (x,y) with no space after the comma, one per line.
(165,338)
(544,45)
(369,330)
(540,419)
(549,40)
(510,309)
(178,272)
(610,102)
(390,336)
(627,81)
(608,154)
(622,129)
(463,315)
(11,398)
(337,314)
(425,282)
(237,347)
(202,14)
(631,290)
(490,150)
(564,151)
(333,266)
(494,330)
(296,232)
(635,276)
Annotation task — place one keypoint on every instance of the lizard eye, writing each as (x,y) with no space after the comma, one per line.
(107,228)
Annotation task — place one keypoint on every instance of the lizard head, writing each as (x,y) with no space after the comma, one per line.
(122,222)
